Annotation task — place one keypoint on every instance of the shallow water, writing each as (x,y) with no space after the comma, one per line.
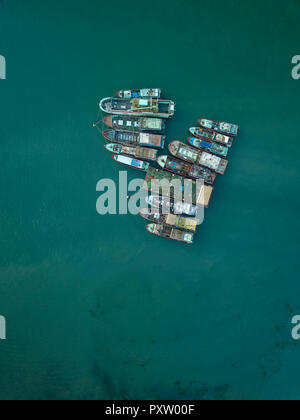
(95,306)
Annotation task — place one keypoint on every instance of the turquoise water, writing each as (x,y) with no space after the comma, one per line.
(95,306)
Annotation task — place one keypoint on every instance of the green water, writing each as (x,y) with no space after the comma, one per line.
(95,306)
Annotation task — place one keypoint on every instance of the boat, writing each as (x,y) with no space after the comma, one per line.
(186,169)
(139,93)
(134,123)
(211,136)
(184,223)
(215,148)
(138,107)
(199,157)
(132,163)
(167,206)
(144,153)
(221,127)
(168,232)
(161,182)
(135,138)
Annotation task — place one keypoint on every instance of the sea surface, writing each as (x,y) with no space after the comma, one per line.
(96,307)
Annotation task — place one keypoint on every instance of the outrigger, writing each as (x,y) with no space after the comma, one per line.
(211,136)
(138,107)
(144,153)
(184,223)
(139,93)
(215,148)
(132,163)
(134,123)
(186,169)
(168,232)
(135,138)
(198,157)
(221,127)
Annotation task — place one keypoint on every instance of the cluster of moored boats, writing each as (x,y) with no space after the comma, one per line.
(134,132)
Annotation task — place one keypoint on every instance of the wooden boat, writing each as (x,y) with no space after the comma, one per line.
(221,127)
(215,148)
(138,107)
(135,138)
(199,157)
(134,123)
(211,136)
(170,233)
(184,223)
(139,93)
(132,163)
(165,205)
(186,169)
(144,153)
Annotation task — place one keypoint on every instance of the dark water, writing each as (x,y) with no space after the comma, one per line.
(95,306)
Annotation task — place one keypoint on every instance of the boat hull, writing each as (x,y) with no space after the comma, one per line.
(143,139)
(165,109)
(179,167)
(219,126)
(166,205)
(143,153)
(198,157)
(139,93)
(131,124)
(131,163)
(170,233)
(207,135)
(179,222)
(211,147)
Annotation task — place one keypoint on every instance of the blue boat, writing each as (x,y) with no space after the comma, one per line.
(215,148)
(132,163)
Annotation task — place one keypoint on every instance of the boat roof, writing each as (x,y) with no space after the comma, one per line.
(207,159)
(154,139)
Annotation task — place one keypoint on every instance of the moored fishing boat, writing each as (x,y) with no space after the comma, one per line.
(139,93)
(184,223)
(144,153)
(179,188)
(134,123)
(186,169)
(138,107)
(214,148)
(198,157)
(221,127)
(135,138)
(211,136)
(165,205)
(170,233)
(132,163)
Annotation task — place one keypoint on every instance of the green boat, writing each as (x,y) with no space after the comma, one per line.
(211,136)
(184,223)
(168,232)
(144,153)
(199,157)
